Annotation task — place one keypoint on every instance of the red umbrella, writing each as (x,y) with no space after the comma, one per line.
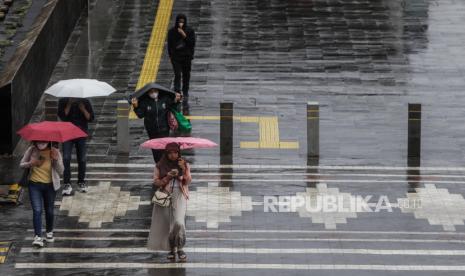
(183,142)
(51,131)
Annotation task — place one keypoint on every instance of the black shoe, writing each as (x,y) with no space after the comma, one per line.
(182,256)
(171,255)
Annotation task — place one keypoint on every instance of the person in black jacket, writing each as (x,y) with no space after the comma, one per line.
(154,108)
(181,46)
(80,113)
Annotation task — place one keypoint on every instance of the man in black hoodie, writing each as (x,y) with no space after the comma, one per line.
(181,45)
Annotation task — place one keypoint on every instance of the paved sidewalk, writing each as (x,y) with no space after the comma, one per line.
(363,61)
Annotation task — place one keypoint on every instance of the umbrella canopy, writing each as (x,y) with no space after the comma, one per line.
(80,88)
(183,142)
(51,131)
(142,92)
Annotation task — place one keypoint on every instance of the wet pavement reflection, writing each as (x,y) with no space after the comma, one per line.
(351,99)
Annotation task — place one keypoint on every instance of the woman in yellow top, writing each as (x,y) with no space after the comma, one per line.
(46,165)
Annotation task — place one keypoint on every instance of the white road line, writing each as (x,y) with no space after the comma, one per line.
(242,250)
(94,238)
(285,180)
(260,231)
(276,166)
(283,174)
(190,265)
(257,239)
(145,202)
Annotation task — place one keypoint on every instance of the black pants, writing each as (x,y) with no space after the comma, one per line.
(81,149)
(182,68)
(157,154)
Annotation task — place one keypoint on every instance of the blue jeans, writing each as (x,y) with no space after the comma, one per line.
(38,193)
(81,149)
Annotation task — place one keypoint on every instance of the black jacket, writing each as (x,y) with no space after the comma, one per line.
(180,48)
(75,115)
(155,113)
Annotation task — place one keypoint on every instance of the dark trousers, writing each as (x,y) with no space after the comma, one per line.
(182,69)
(39,194)
(81,149)
(157,154)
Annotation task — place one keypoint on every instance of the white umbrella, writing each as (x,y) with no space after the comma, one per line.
(80,88)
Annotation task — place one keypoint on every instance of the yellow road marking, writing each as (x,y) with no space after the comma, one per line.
(155,47)
(269,135)
(2,259)
(3,249)
(268,132)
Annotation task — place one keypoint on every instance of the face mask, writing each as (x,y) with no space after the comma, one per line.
(153,95)
(181,24)
(42,146)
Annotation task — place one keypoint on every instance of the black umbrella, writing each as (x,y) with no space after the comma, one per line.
(143,91)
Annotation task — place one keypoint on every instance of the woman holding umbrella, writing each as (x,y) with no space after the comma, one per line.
(46,166)
(168,231)
(153,106)
(172,176)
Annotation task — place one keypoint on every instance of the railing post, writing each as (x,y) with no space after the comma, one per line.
(313,129)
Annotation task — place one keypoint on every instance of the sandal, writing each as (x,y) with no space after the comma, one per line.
(171,255)
(182,256)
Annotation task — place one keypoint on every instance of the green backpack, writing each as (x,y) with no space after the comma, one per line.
(184,125)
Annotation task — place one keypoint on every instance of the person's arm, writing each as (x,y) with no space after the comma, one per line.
(57,161)
(190,40)
(25,162)
(187,174)
(86,110)
(62,103)
(173,103)
(90,110)
(170,43)
(160,181)
(139,108)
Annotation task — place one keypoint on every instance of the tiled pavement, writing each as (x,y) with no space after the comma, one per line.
(362,60)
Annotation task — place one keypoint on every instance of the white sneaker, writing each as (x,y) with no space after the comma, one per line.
(49,237)
(38,242)
(82,187)
(67,189)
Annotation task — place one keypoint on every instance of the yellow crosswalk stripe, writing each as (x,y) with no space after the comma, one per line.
(155,47)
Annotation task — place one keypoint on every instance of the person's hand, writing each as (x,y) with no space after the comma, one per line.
(54,154)
(181,31)
(135,102)
(182,164)
(82,107)
(36,162)
(173,173)
(177,97)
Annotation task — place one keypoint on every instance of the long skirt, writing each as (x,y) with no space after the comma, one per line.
(168,228)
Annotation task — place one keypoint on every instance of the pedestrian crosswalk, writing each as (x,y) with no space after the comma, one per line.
(226,236)
(248,249)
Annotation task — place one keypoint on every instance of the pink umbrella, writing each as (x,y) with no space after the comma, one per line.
(183,142)
(51,131)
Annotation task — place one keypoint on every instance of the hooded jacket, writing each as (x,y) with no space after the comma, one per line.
(180,48)
(155,113)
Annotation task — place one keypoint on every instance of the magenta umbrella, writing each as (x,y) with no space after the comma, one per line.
(51,131)
(183,142)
